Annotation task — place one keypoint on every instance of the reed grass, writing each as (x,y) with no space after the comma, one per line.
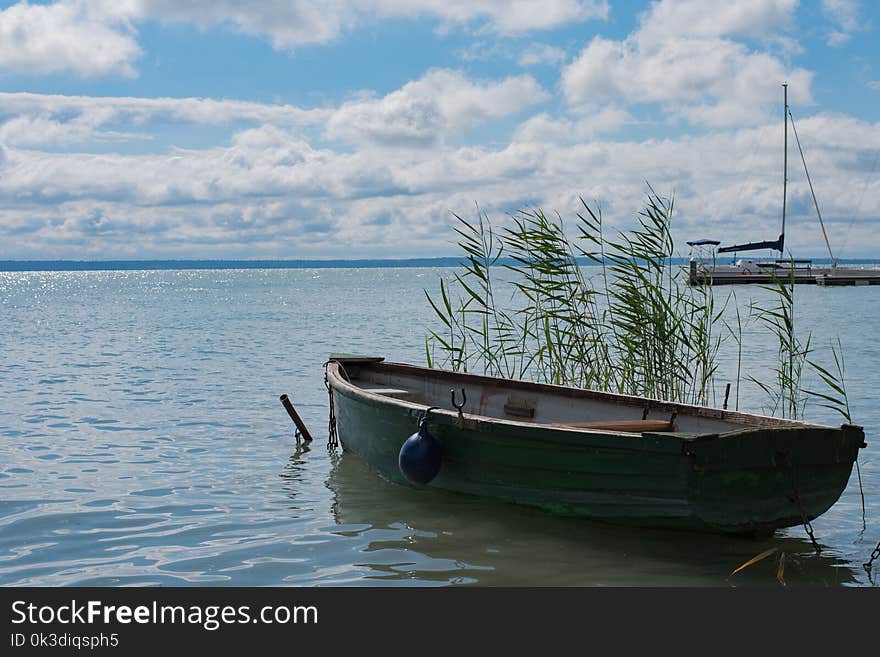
(836,398)
(785,393)
(736,334)
(635,327)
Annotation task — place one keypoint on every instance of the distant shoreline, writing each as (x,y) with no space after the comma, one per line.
(375,263)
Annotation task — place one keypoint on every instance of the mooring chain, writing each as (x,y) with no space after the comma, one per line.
(332,437)
(870,562)
(797,498)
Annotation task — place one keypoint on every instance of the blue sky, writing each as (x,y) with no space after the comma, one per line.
(354,128)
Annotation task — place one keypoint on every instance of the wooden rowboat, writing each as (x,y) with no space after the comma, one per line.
(591,454)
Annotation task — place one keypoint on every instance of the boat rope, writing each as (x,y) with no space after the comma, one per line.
(810,182)
(870,562)
(332,436)
(808,527)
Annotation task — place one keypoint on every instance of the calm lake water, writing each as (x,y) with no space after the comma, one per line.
(142,442)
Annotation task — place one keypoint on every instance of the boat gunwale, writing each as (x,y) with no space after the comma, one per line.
(745,421)
(453,415)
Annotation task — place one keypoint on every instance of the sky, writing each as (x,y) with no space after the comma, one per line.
(291,129)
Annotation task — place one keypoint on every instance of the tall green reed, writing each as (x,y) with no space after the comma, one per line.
(634,326)
(785,392)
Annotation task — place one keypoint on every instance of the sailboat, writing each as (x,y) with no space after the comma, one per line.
(704,268)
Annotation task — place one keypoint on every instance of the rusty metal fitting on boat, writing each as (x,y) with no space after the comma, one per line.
(459,407)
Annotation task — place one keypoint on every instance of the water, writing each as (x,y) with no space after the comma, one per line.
(142,442)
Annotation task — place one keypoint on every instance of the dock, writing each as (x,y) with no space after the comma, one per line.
(763,274)
(841,278)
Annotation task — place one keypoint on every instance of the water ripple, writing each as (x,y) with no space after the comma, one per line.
(143,445)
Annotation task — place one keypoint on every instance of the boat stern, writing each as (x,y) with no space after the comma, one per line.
(759,480)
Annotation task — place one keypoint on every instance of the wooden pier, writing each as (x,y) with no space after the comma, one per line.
(801,273)
(841,278)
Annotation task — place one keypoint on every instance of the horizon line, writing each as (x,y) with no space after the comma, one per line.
(279,263)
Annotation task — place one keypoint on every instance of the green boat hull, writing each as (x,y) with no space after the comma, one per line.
(749,481)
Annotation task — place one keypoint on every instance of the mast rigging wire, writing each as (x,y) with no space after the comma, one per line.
(810,182)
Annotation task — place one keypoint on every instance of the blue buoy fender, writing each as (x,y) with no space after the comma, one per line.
(421,455)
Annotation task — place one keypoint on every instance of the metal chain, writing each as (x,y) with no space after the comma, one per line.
(797,498)
(332,435)
(874,555)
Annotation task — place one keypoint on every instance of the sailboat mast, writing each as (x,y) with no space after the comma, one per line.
(784,165)
(778,244)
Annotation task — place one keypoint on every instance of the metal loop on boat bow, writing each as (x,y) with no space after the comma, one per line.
(459,407)
(423,419)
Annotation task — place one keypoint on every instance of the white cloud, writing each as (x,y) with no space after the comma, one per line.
(495,49)
(66,36)
(681,58)
(285,24)
(668,19)
(31,131)
(507,16)
(98,37)
(140,110)
(541,53)
(260,162)
(300,22)
(291,24)
(268,191)
(441,102)
(844,18)
(44,119)
(379,175)
(560,130)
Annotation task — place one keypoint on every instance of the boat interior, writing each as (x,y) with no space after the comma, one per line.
(519,401)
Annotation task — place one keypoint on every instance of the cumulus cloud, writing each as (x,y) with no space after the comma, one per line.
(179,177)
(441,102)
(507,16)
(67,36)
(378,175)
(291,24)
(28,119)
(682,58)
(284,24)
(44,131)
(698,19)
(98,37)
(843,16)
(561,130)
(541,53)
(271,189)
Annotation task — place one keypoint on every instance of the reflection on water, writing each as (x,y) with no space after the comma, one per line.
(293,476)
(427,536)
